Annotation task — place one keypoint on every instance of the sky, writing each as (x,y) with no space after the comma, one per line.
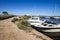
(32,7)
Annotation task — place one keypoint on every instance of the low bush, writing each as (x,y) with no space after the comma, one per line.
(24,24)
(15,19)
(26,17)
(2,17)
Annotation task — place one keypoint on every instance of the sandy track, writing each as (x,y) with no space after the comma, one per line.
(9,31)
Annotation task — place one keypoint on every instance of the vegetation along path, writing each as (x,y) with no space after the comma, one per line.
(9,31)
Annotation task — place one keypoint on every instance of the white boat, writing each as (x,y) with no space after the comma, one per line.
(50,28)
(35,21)
(43,25)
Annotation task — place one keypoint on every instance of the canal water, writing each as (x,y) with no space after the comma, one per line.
(53,35)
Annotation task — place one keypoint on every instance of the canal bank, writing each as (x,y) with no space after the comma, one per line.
(41,35)
(52,35)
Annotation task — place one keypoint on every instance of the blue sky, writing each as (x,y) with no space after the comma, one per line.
(32,7)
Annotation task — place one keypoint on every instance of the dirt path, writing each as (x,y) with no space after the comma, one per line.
(9,31)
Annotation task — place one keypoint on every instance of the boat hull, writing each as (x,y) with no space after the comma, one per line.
(52,34)
(46,29)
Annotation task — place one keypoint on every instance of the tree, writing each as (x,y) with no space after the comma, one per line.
(5,13)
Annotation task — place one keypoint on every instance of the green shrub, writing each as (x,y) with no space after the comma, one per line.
(26,17)
(24,24)
(15,19)
(2,17)
(22,27)
(5,13)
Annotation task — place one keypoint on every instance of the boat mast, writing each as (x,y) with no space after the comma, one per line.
(54,9)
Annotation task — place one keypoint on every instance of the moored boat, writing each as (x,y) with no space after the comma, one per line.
(45,26)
